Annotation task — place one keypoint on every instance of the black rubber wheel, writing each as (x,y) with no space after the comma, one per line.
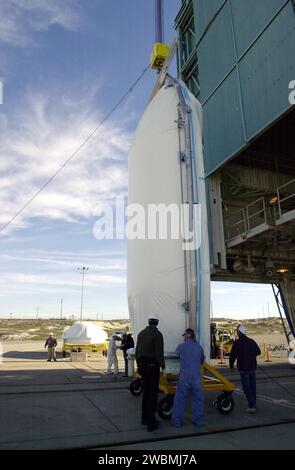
(64,354)
(136,387)
(225,404)
(165,407)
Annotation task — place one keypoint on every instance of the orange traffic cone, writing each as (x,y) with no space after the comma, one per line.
(221,354)
(266,353)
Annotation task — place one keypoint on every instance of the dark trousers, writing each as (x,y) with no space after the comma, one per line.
(248,379)
(150,373)
(126,364)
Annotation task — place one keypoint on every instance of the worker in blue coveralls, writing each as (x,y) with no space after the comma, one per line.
(190,380)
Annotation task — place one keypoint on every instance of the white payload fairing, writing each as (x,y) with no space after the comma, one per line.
(166,168)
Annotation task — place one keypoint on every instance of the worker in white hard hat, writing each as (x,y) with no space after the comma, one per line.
(112,356)
(149,356)
(245,351)
(51,344)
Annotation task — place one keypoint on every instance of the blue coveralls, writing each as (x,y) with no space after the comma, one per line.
(190,381)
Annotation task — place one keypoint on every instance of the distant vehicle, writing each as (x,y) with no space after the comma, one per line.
(221,337)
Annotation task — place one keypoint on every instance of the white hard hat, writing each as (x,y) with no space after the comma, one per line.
(50,334)
(114,335)
(242,329)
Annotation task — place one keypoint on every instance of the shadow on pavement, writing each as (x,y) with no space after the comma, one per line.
(29,355)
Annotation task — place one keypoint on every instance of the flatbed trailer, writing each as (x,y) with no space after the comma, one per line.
(71,347)
(212,381)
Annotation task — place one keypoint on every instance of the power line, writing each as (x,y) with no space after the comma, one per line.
(66,162)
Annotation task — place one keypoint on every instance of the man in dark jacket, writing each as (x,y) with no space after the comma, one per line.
(245,351)
(51,344)
(126,343)
(149,356)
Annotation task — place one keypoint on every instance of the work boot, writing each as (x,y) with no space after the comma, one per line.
(48,360)
(54,359)
(153,426)
(251,410)
(176,424)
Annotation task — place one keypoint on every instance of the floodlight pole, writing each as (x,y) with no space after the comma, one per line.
(82,270)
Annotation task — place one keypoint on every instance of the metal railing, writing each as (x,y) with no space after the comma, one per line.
(285,199)
(247,218)
(261,211)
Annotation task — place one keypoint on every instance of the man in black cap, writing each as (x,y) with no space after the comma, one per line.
(149,356)
(245,351)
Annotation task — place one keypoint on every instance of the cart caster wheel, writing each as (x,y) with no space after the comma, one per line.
(165,407)
(64,354)
(224,404)
(136,387)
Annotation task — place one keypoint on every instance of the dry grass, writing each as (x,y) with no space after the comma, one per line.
(255,326)
(28,330)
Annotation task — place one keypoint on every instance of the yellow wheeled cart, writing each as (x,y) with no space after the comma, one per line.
(71,347)
(212,381)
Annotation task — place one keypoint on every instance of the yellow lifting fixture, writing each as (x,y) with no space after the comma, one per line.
(159,55)
(212,381)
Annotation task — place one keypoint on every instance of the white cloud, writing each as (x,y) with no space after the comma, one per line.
(256,288)
(43,133)
(106,264)
(18,282)
(19,19)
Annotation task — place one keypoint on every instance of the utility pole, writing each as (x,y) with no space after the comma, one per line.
(83,269)
(268,309)
(61,305)
(37,313)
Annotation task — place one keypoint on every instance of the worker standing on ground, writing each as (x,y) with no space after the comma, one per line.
(127,343)
(149,356)
(112,356)
(190,380)
(245,351)
(51,343)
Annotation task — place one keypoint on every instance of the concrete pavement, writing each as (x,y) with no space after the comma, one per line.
(66,405)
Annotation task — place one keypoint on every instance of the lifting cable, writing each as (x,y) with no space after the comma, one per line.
(77,150)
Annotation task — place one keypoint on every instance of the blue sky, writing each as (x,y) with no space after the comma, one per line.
(64,64)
